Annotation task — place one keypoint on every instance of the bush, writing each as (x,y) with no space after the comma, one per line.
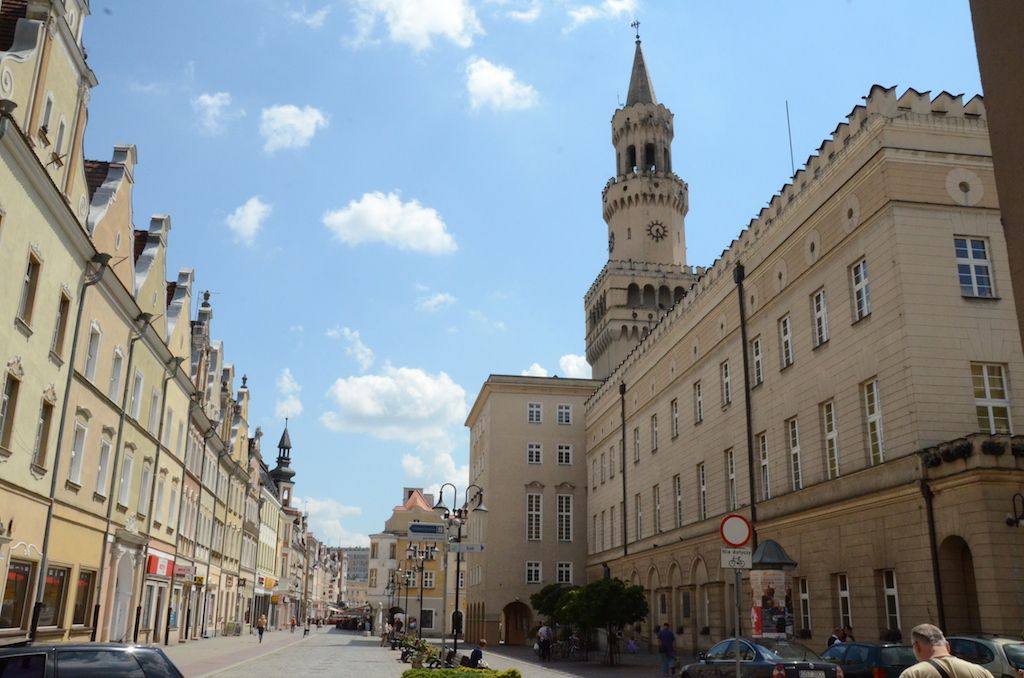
(460,673)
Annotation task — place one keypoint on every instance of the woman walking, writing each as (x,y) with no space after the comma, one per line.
(261,626)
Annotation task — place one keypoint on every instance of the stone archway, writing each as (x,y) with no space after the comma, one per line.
(675,587)
(959,589)
(701,611)
(516,618)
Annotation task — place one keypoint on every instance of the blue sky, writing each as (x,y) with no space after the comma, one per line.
(392,199)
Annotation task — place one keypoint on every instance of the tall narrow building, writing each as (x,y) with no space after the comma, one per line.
(644,206)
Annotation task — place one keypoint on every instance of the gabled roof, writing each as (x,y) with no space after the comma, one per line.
(10,12)
(416,500)
(641,91)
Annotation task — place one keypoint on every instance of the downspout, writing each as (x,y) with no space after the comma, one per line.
(177,530)
(738,275)
(933,546)
(210,432)
(101,261)
(143,320)
(622,458)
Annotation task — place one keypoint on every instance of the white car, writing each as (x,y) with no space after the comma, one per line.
(1001,655)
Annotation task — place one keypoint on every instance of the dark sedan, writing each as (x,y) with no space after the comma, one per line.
(761,658)
(92,660)
(871,660)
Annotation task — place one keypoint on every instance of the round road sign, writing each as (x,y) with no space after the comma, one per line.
(735,530)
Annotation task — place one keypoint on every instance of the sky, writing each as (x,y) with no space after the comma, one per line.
(390,200)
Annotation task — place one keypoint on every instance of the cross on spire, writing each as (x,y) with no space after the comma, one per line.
(636,27)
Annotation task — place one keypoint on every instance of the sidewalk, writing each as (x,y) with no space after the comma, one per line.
(207,656)
(522,657)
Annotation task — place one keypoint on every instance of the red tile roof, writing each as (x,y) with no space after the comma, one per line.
(95,173)
(10,12)
(140,243)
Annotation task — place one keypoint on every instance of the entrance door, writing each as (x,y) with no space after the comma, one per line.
(122,600)
(516,622)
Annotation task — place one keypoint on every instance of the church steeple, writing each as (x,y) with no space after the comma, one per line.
(641,91)
(283,472)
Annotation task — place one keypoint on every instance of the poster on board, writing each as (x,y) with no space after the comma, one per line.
(771,612)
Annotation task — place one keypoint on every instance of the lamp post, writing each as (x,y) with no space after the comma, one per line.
(456,518)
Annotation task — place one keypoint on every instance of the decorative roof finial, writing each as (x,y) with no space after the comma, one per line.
(636,27)
(206,297)
(245,379)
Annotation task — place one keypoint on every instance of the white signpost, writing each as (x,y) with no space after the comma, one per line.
(736,532)
(737,559)
(465,548)
(427,532)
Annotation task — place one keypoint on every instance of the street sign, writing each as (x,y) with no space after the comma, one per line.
(465,548)
(426,532)
(737,559)
(735,530)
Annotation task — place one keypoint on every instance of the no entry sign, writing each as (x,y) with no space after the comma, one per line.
(735,530)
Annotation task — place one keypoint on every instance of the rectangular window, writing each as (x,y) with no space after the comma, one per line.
(564,517)
(18,589)
(137,395)
(158,504)
(991,398)
(533,516)
(611,462)
(532,571)
(114,387)
(60,328)
(636,445)
(564,572)
(611,526)
(8,406)
(758,360)
(843,588)
(762,450)
(92,354)
(428,579)
(42,444)
(603,467)
(564,414)
(723,371)
(372,583)
(793,437)
(427,615)
(593,473)
(828,427)
(674,407)
(639,515)
(819,310)
(873,422)
(55,590)
(154,410)
(972,267)
(602,530)
(101,470)
(861,291)
(702,495)
(656,501)
(730,478)
(677,492)
(892,599)
(805,603)
(565,455)
(83,598)
(654,433)
(533,413)
(533,453)
(786,342)
(77,452)
(698,403)
(28,290)
(147,475)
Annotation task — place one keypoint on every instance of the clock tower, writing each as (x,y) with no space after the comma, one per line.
(644,205)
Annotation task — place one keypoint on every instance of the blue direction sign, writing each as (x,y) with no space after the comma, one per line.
(426,532)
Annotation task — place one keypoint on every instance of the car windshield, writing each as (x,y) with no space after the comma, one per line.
(898,655)
(1015,654)
(781,650)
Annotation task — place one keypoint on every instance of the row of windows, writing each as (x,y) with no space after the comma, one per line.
(535,572)
(535,454)
(57,586)
(535,517)
(842,596)
(535,413)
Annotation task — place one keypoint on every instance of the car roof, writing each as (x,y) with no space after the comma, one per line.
(64,647)
(986,636)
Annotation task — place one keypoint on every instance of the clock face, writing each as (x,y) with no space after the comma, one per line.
(657,230)
(611,242)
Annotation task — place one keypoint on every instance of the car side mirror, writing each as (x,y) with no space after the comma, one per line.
(702,655)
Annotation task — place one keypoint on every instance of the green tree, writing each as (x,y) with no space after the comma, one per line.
(548,601)
(607,603)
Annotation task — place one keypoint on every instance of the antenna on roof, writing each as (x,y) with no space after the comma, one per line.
(789,129)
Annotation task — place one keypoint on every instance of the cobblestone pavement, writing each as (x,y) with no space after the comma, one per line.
(329,652)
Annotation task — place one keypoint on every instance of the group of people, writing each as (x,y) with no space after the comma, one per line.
(841,634)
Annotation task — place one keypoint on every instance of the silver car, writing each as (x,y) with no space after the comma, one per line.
(1001,655)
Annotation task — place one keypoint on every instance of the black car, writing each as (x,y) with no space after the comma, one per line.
(86,660)
(761,658)
(871,660)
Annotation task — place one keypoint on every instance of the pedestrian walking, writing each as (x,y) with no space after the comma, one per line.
(261,626)
(667,648)
(934,660)
(293,624)
(544,635)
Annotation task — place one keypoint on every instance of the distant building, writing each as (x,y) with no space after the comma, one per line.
(358,562)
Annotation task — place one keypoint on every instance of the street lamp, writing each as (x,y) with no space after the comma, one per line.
(456,518)
(419,559)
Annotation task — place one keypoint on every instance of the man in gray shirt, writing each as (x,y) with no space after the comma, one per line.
(934,659)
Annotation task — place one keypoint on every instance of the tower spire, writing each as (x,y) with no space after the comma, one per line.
(641,91)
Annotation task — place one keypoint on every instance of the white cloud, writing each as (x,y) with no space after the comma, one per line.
(288,403)
(526,16)
(534,370)
(289,126)
(400,403)
(246,221)
(608,9)
(416,22)
(495,325)
(377,217)
(326,517)
(497,87)
(574,366)
(213,111)
(435,302)
(362,353)
(413,465)
(298,329)
(434,465)
(307,18)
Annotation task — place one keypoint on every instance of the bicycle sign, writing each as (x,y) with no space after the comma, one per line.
(737,559)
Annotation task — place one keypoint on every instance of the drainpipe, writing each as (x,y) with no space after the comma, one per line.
(738,275)
(622,417)
(141,321)
(933,546)
(193,404)
(101,261)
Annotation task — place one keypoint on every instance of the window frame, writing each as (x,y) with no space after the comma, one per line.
(986,399)
(564,454)
(29,289)
(830,433)
(656,502)
(845,606)
(654,433)
(674,416)
(757,360)
(891,599)
(534,413)
(638,515)
(534,516)
(698,402)
(92,351)
(534,572)
(563,566)
(564,513)
(860,289)
(726,383)
(804,589)
(730,475)
(41,446)
(793,443)
(78,443)
(60,326)
(787,354)
(534,453)
(761,441)
(566,410)
(874,433)
(819,316)
(972,265)
(702,492)
(677,491)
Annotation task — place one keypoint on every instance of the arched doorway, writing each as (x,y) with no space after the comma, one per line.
(701,603)
(959,590)
(515,622)
(122,599)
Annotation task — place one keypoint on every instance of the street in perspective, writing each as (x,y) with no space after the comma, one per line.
(587,338)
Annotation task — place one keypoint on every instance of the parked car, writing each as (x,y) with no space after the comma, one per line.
(761,658)
(1001,655)
(871,660)
(86,660)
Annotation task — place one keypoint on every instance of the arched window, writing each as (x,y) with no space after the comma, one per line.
(679,294)
(633,295)
(664,298)
(649,161)
(631,159)
(649,301)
